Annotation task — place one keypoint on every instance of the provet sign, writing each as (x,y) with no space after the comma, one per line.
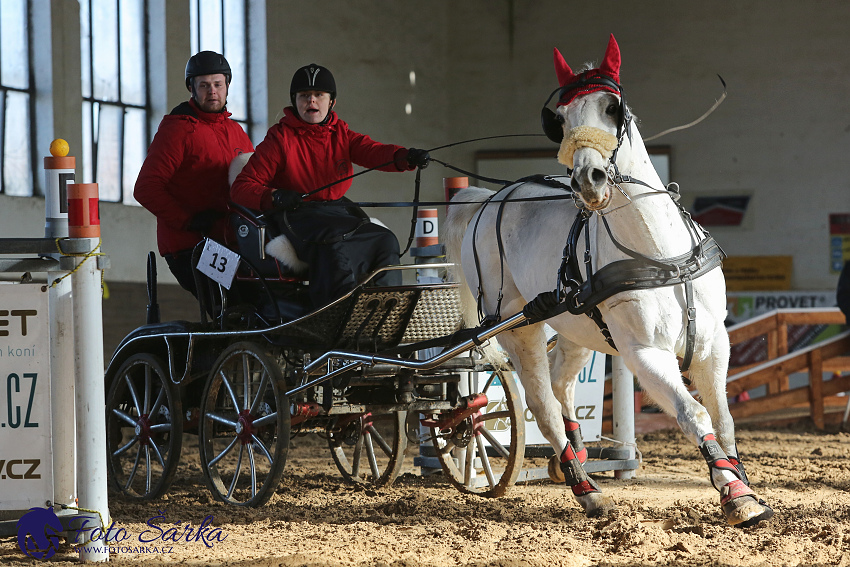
(26,471)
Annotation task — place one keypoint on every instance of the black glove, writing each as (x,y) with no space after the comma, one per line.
(286,200)
(418,158)
(203,222)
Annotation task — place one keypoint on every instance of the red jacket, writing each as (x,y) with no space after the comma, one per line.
(185,172)
(302,157)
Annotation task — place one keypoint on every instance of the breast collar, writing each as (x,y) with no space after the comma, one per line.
(581,294)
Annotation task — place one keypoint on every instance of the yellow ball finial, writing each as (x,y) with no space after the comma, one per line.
(59,148)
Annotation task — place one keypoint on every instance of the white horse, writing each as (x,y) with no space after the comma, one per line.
(511,251)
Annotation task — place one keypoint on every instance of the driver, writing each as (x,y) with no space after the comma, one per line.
(312,147)
(183,180)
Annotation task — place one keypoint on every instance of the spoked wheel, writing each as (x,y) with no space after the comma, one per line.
(369,448)
(483,453)
(144,428)
(244,426)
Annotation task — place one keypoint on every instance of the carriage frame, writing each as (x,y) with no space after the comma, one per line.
(373,371)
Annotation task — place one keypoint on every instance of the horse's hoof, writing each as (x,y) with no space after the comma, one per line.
(740,504)
(596,505)
(766,515)
(555,472)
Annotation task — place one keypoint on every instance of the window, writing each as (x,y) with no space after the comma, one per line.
(220,26)
(116,103)
(17,100)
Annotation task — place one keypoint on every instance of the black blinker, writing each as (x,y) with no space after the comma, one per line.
(553,125)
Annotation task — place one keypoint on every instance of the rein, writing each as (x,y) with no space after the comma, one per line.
(469,141)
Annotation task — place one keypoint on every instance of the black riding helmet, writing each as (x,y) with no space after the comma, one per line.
(206,63)
(312,77)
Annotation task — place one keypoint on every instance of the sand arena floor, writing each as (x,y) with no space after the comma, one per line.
(668,515)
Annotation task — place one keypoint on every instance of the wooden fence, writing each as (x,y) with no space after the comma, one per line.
(830,355)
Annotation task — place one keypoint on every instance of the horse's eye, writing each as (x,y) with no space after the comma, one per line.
(612,109)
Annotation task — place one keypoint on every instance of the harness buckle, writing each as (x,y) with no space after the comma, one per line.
(692,313)
(576,304)
(678,271)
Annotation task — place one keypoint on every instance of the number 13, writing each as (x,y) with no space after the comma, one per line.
(222,262)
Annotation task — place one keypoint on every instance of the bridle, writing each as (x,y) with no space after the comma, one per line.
(552,122)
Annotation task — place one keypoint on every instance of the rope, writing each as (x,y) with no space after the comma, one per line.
(102,523)
(84,255)
(626,444)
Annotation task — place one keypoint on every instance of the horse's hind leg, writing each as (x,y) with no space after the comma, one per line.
(658,372)
(526,347)
(708,375)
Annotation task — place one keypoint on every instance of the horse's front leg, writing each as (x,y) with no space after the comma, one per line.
(658,373)
(526,347)
(566,359)
(708,375)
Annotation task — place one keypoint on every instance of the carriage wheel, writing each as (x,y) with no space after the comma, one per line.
(144,428)
(483,454)
(244,426)
(369,448)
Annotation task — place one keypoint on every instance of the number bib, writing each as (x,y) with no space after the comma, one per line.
(218,263)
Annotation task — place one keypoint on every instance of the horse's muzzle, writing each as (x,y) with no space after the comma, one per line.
(591,185)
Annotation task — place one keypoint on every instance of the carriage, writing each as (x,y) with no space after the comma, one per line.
(644,282)
(259,369)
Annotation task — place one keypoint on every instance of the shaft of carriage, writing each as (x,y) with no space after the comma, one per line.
(361,359)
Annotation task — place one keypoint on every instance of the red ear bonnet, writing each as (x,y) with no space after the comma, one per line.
(579,84)
(565,74)
(611,64)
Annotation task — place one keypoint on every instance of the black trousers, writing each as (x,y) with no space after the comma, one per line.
(180,264)
(340,246)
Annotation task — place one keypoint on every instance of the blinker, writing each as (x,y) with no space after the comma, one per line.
(553,124)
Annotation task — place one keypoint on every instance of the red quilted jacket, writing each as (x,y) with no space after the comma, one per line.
(302,157)
(185,172)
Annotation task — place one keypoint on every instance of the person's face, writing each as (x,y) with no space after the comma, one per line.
(211,92)
(313,106)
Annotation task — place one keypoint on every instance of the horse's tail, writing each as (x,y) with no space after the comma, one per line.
(454,229)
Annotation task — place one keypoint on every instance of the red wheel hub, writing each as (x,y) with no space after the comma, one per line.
(245,427)
(143,429)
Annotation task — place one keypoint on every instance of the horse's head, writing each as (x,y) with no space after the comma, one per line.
(590,122)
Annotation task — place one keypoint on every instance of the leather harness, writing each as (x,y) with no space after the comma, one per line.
(578,293)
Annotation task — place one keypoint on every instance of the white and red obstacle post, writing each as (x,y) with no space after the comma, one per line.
(623,412)
(58,173)
(58,387)
(84,223)
(427,250)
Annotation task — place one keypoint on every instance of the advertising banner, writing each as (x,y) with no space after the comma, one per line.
(839,241)
(590,391)
(26,470)
(741,306)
